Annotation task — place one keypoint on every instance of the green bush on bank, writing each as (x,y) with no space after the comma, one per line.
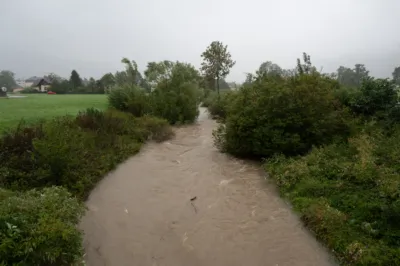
(349,195)
(282,115)
(58,152)
(130,99)
(177,104)
(175,94)
(38,227)
(218,106)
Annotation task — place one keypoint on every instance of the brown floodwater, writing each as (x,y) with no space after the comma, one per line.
(142,213)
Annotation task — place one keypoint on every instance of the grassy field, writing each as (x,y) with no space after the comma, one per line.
(36,107)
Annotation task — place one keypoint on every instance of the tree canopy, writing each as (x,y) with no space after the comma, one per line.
(7,79)
(75,80)
(217,61)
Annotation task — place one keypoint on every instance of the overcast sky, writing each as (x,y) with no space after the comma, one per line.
(91,36)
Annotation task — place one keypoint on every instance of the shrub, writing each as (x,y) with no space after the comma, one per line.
(178,105)
(218,107)
(348,195)
(38,227)
(58,152)
(375,97)
(208,98)
(157,129)
(129,99)
(289,116)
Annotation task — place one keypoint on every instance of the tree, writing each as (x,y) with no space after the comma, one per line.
(361,73)
(60,87)
(306,67)
(131,70)
(7,79)
(352,77)
(107,81)
(167,72)
(396,75)
(75,80)
(158,71)
(53,77)
(217,62)
(269,69)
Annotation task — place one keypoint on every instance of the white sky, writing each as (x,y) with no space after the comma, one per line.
(91,36)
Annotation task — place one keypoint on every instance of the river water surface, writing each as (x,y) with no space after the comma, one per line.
(142,213)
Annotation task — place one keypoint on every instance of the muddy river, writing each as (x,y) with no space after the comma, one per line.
(182,202)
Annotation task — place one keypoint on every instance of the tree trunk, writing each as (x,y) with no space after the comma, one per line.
(218,87)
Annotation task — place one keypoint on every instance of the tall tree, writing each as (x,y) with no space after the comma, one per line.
(131,70)
(361,73)
(306,67)
(7,79)
(168,72)
(217,62)
(396,75)
(107,81)
(352,77)
(53,77)
(75,80)
(268,69)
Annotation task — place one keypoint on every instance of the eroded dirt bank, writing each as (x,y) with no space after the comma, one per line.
(142,213)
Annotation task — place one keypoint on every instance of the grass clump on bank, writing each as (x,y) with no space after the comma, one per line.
(52,166)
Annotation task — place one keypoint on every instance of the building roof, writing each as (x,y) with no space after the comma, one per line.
(41,81)
(32,79)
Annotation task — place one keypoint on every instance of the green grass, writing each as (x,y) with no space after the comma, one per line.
(37,107)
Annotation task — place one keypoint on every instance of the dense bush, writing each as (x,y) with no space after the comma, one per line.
(130,99)
(375,98)
(175,94)
(58,152)
(178,104)
(218,107)
(282,115)
(349,195)
(38,227)
(155,128)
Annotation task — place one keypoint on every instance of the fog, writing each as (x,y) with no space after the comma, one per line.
(91,36)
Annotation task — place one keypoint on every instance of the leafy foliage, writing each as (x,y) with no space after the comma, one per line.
(7,79)
(374,96)
(56,153)
(175,94)
(282,115)
(352,77)
(217,62)
(130,99)
(38,227)
(348,194)
(218,108)
(75,80)
(396,75)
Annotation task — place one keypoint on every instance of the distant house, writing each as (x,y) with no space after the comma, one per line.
(42,84)
(30,81)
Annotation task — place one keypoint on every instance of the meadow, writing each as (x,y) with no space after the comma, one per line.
(42,106)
